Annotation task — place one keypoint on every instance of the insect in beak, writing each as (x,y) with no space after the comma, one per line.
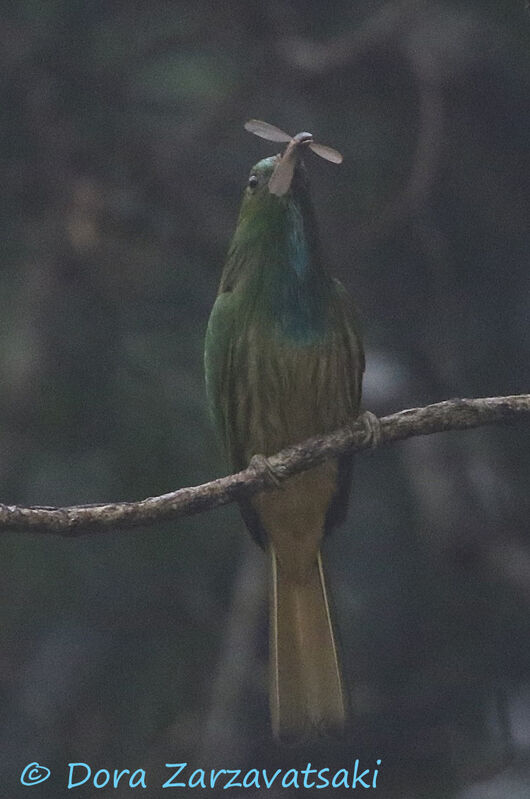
(282,176)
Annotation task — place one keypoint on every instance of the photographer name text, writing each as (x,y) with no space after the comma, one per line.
(182,775)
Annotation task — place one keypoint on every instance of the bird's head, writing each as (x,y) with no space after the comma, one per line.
(276,219)
(281,177)
(277,178)
(265,214)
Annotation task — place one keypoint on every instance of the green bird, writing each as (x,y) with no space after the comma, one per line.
(283,362)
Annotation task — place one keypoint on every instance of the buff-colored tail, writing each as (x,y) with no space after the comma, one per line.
(307,695)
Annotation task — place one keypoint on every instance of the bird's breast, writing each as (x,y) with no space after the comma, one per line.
(286,391)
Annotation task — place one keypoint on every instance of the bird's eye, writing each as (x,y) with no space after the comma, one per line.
(253,181)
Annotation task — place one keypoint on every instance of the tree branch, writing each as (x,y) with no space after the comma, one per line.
(454,414)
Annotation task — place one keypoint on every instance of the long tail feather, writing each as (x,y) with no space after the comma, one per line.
(307,695)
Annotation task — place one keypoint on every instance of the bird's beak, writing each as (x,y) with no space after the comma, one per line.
(281,178)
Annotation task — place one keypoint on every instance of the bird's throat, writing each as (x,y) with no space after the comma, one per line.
(285,284)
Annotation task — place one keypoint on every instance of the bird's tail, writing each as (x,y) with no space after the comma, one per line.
(307,695)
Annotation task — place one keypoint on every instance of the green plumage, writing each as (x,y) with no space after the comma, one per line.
(284,361)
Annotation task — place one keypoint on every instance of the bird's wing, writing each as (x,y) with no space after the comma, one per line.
(351,324)
(217,354)
(350,334)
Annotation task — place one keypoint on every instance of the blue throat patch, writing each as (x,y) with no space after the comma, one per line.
(300,310)
(297,249)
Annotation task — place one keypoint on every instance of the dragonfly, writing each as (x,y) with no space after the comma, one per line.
(282,176)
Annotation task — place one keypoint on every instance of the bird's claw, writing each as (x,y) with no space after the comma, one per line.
(263,465)
(372,428)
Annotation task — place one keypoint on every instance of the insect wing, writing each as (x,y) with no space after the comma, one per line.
(266,131)
(280,181)
(326,152)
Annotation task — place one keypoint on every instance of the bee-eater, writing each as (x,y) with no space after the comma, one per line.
(284,361)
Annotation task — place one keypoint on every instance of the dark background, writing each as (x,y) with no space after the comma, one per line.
(123,159)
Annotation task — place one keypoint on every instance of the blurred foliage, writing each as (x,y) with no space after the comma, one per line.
(123,160)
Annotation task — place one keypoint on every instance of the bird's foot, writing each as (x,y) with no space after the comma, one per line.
(263,465)
(372,428)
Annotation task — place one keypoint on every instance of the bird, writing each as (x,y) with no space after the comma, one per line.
(284,361)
